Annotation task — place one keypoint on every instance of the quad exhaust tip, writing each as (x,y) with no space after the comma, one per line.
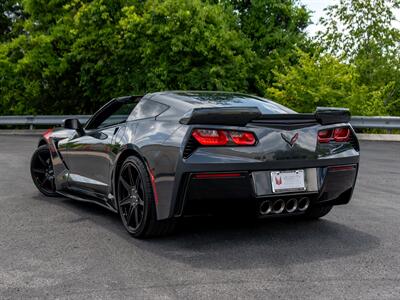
(291,205)
(265,207)
(303,204)
(279,206)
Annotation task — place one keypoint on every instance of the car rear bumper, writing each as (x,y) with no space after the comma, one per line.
(205,192)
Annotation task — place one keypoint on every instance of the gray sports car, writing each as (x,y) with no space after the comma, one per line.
(165,155)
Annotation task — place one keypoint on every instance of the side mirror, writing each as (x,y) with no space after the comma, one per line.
(75,125)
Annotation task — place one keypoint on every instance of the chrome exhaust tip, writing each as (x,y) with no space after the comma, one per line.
(291,205)
(303,204)
(265,207)
(278,206)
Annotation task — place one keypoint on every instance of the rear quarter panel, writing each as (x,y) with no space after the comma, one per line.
(159,144)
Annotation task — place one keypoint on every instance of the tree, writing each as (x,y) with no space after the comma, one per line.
(272,25)
(276,28)
(70,56)
(363,33)
(11,15)
(78,54)
(323,80)
(39,72)
(184,45)
(361,27)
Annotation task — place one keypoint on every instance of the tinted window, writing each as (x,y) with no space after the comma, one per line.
(117,112)
(147,109)
(232,99)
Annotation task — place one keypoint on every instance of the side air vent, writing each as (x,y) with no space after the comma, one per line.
(190,147)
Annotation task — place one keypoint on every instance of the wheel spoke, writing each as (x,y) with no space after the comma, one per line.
(129,215)
(46,179)
(130,175)
(126,186)
(137,182)
(139,187)
(137,216)
(40,171)
(42,161)
(131,192)
(125,201)
(52,184)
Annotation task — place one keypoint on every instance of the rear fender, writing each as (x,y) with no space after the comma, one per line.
(125,152)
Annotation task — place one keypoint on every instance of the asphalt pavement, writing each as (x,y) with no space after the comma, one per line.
(61,248)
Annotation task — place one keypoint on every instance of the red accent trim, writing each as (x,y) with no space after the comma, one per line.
(216,175)
(47,133)
(342,168)
(153,184)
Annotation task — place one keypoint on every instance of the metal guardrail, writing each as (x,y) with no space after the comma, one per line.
(388,123)
(33,121)
(358,122)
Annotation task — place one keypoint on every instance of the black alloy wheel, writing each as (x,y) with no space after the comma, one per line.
(42,171)
(136,203)
(130,197)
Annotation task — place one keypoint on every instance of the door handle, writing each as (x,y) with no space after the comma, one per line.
(116,130)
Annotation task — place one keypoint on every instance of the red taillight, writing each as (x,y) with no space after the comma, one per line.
(242,138)
(324,136)
(341,134)
(215,137)
(210,137)
(216,175)
(342,168)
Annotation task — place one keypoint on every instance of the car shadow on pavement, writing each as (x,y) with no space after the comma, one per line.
(228,244)
(221,243)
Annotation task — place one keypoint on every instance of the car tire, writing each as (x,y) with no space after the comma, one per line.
(136,202)
(42,172)
(316,212)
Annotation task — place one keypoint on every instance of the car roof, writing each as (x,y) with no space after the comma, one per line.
(187,100)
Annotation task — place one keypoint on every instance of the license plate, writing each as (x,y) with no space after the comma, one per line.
(287,181)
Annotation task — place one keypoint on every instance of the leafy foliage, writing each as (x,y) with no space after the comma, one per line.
(275,28)
(363,33)
(359,27)
(11,17)
(79,54)
(71,56)
(322,80)
(184,45)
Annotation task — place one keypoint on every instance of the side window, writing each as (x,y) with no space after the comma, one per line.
(147,109)
(117,112)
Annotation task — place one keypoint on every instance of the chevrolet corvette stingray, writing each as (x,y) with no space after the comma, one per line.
(155,158)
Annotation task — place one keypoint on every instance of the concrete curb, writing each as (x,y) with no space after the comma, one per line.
(379,137)
(361,136)
(22,132)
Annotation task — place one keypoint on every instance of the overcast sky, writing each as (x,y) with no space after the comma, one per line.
(317,6)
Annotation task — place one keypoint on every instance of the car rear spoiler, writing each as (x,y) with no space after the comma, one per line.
(332,115)
(240,116)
